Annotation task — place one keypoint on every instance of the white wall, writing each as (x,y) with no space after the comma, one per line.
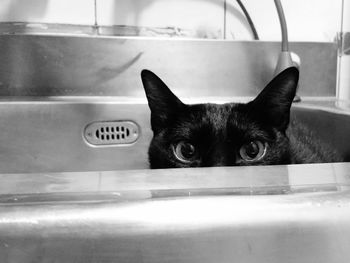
(48,11)
(344,65)
(203,18)
(317,20)
(308,20)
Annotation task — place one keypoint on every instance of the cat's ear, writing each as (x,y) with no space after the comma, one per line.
(273,104)
(163,103)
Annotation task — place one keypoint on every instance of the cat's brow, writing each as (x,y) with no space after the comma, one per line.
(218,114)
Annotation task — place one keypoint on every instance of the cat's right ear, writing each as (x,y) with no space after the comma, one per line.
(163,103)
(273,104)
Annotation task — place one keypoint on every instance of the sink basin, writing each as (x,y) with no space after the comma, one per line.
(56,87)
(58,203)
(47,134)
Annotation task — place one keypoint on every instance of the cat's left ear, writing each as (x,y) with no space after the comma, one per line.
(163,103)
(273,104)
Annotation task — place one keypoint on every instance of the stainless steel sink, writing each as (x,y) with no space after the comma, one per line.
(57,203)
(47,135)
(286,214)
(53,86)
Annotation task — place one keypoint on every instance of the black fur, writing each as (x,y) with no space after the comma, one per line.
(219,131)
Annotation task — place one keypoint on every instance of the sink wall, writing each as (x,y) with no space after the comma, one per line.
(47,135)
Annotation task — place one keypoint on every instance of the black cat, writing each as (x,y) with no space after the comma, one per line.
(230,134)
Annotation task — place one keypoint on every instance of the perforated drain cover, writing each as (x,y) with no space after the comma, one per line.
(111,133)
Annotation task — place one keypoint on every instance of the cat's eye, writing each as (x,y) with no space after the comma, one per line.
(253,151)
(184,152)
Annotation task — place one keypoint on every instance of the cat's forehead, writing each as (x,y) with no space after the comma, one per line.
(211,109)
(214,114)
(233,115)
(215,123)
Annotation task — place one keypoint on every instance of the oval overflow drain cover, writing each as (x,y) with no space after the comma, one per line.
(111,133)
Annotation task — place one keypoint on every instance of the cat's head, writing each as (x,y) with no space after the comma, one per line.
(220,134)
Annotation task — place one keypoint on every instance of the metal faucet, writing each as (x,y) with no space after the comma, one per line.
(285,58)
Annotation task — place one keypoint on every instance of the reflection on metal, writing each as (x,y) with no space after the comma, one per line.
(146,216)
(11,28)
(42,65)
(346,43)
(47,135)
(160,183)
(42,136)
(18,28)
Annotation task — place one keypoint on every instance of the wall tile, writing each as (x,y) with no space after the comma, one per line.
(346,24)
(203,17)
(344,64)
(48,11)
(311,20)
